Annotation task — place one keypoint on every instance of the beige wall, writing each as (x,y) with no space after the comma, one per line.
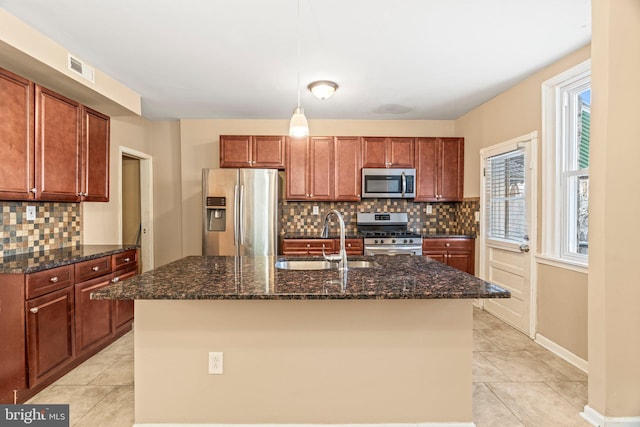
(516,112)
(614,292)
(338,362)
(200,149)
(130,199)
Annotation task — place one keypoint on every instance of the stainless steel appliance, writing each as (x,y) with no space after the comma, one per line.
(392,183)
(387,234)
(240,211)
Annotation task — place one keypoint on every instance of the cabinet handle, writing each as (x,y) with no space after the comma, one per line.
(34,190)
(447,244)
(127,259)
(96,268)
(308,245)
(115,280)
(348,245)
(53,279)
(34,310)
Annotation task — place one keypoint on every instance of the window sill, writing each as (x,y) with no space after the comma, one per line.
(563,263)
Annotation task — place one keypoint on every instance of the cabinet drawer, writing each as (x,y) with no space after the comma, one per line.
(46,281)
(124,260)
(306,246)
(353,246)
(93,268)
(447,243)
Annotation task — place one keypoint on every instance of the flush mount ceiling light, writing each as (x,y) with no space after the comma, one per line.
(322,89)
(298,126)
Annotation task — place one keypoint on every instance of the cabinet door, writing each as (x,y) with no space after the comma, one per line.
(451,169)
(426,172)
(462,260)
(321,168)
(95,156)
(94,324)
(401,152)
(296,165)
(57,142)
(16,137)
(235,151)
(268,152)
(50,334)
(348,168)
(123,309)
(440,256)
(374,152)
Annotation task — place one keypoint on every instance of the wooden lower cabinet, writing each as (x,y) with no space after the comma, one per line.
(314,247)
(94,322)
(50,324)
(50,334)
(455,252)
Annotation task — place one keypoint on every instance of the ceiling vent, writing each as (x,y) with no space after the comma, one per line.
(82,69)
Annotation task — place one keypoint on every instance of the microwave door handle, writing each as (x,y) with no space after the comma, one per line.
(404,184)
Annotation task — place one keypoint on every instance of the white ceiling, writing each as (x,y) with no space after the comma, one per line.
(393,59)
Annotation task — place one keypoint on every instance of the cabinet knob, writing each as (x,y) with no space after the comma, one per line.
(96,268)
(348,245)
(34,190)
(115,280)
(53,279)
(308,245)
(127,259)
(34,310)
(447,244)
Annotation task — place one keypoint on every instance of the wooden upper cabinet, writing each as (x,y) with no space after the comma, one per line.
(296,161)
(388,152)
(57,146)
(309,166)
(439,169)
(16,137)
(348,165)
(321,168)
(244,151)
(95,156)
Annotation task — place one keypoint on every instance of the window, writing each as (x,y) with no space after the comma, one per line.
(566,135)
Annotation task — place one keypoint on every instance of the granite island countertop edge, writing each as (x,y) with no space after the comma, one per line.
(256,278)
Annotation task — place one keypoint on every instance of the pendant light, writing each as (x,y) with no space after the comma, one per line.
(298,126)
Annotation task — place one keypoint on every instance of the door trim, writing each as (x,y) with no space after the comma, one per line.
(146,203)
(532,139)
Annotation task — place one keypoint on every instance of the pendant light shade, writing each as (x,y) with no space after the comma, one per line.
(298,126)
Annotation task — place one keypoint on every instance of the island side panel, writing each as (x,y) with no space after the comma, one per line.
(301,361)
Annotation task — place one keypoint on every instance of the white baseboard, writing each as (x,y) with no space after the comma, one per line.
(596,419)
(562,352)
(451,424)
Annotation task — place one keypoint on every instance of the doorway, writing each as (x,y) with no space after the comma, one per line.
(136,226)
(508,230)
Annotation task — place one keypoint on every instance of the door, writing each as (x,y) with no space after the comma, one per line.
(507,202)
(258,212)
(131,209)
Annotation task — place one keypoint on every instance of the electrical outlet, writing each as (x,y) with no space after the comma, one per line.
(31,213)
(215,362)
(477,215)
(429,209)
(316,211)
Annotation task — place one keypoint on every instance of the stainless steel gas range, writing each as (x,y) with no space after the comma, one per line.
(387,234)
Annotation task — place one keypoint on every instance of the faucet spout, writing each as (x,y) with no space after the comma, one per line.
(342,255)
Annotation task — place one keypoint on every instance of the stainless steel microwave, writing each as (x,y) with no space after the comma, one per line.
(392,183)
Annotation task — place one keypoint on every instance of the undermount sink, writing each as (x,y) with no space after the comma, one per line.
(321,264)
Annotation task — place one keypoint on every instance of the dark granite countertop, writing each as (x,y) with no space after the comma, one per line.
(249,278)
(38,261)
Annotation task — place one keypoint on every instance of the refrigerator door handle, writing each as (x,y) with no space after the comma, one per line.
(235,215)
(241,215)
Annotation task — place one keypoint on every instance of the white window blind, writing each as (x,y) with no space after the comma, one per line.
(505,196)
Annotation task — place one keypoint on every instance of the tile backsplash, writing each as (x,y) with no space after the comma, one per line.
(56,225)
(445,218)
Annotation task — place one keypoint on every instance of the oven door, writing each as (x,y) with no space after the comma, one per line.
(393,250)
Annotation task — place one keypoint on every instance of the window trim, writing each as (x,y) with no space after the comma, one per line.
(553,245)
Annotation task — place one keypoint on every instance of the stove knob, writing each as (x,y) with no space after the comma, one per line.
(375,241)
(405,241)
(381,241)
(393,241)
(410,240)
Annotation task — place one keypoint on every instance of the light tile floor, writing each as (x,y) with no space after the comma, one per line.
(516,383)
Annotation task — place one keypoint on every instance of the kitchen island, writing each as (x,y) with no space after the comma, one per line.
(381,345)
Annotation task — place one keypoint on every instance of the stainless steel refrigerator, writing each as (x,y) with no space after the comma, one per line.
(240,211)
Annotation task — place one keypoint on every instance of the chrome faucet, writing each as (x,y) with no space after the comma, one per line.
(341,257)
